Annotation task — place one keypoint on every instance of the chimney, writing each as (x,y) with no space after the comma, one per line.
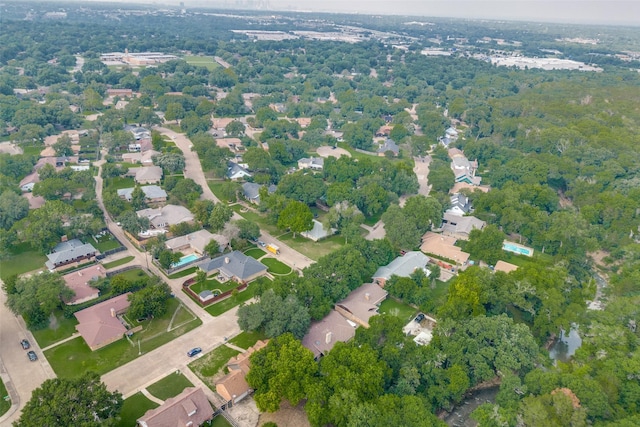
(113,312)
(327,338)
(367,296)
(226,260)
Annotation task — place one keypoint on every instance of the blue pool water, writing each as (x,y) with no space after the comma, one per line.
(516,249)
(185,260)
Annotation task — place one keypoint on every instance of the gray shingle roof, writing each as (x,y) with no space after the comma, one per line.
(234,264)
(403,266)
(69,251)
(150,192)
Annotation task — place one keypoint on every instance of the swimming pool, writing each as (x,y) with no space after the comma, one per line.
(185,260)
(516,249)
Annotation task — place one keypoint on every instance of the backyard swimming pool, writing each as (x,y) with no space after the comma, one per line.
(512,247)
(185,260)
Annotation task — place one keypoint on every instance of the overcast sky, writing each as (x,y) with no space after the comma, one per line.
(568,11)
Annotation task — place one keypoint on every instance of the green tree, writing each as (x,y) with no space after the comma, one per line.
(486,244)
(220,214)
(171,163)
(138,199)
(63,146)
(12,208)
(296,216)
(248,229)
(281,370)
(133,224)
(150,301)
(61,402)
(275,315)
(36,297)
(235,128)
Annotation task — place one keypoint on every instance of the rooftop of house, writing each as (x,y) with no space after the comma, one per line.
(443,246)
(389,145)
(198,240)
(98,324)
(146,173)
(456,224)
(78,281)
(169,215)
(234,264)
(68,251)
(189,408)
(403,266)
(140,157)
(505,267)
(363,302)
(318,231)
(311,162)
(325,333)
(150,192)
(234,170)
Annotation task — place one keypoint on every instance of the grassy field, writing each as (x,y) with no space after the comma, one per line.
(59,329)
(247,339)
(105,243)
(133,408)
(202,61)
(227,304)
(74,357)
(276,266)
(170,386)
(132,275)
(255,253)
(22,259)
(119,183)
(183,273)
(118,262)
(313,250)
(210,364)
(4,404)
(397,308)
(220,421)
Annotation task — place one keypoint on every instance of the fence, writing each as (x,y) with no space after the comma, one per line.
(123,269)
(105,254)
(186,288)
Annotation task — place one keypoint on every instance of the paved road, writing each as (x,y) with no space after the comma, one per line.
(148,368)
(19,374)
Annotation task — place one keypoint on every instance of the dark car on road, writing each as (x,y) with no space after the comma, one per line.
(25,344)
(194,351)
(32,355)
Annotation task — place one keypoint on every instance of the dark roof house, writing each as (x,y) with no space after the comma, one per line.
(234,265)
(68,252)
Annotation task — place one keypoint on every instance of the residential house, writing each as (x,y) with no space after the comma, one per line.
(385,130)
(191,408)
(325,333)
(460,226)
(233,387)
(138,132)
(451,133)
(318,232)
(236,172)
(166,216)
(460,205)
(80,283)
(152,193)
(402,266)
(143,158)
(221,124)
(70,251)
(505,267)
(233,144)
(443,247)
(313,163)
(251,191)
(338,135)
(362,304)
(146,175)
(389,145)
(99,324)
(197,241)
(463,169)
(303,121)
(120,92)
(235,265)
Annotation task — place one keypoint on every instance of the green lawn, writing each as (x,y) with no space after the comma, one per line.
(118,262)
(74,357)
(220,421)
(133,274)
(106,243)
(313,250)
(22,259)
(213,285)
(397,308)
(255,253)
(247,339)
(211,363)
(59,329)
(276,266)
(202,61)
(133,408)
(183,273)
(227,304)
(5,404)
(119,183)
(170,386)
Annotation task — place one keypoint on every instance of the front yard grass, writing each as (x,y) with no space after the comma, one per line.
(313,250)
(119,183)
(133,408)
(227,304)
(73,358)
(183,273)
(247,339)
(59,328)
(133,274)
(220,421)
(256,253)
(397,308)
(276,266)
(170,386)
(118,262)
(210,364)
(22,259)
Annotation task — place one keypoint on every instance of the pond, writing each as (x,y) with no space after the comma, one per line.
(566,345)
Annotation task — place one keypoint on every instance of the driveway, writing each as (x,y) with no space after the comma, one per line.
(421,169)
(20,375)
(148,368)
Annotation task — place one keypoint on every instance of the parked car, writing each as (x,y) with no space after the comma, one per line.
(25,344)
(194,351)
(261,243)
(419,318)
(32,355)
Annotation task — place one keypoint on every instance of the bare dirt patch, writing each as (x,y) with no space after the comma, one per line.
(421,169)
(328,151)
(286,416)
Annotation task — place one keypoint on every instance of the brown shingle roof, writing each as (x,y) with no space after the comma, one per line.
(98,326)
(190,406)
